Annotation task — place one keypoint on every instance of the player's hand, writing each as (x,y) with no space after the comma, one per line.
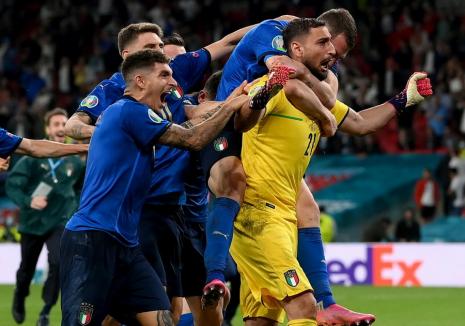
(39,202)
(417,88)
(297,69)
(329,127)
(4,164)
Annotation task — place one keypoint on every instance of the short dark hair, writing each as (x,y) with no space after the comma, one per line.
(141,59)
(130,33)
(341,21)
(174,39)
(299,27)
(212,83)
(57,111)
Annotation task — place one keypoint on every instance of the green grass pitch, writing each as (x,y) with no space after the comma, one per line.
(392,306)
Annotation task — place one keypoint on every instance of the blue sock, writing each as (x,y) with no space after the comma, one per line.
(219,234)
(186,320)
(312,259)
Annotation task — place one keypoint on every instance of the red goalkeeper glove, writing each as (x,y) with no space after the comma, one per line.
(418,87)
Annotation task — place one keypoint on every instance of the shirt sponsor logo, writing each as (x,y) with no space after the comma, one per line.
(278,43)
(90,101)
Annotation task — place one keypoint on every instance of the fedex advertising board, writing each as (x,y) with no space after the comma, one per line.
(396,264)
(422,264)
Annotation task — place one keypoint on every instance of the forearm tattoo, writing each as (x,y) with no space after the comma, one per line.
(164,318)
(191,123)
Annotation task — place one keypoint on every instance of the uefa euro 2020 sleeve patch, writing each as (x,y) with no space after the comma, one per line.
(278,43)
(90,101)
(153,116)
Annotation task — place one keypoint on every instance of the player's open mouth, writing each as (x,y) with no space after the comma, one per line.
(164,95)
(325,64)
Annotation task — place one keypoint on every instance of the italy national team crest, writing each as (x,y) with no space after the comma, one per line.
(177,92)
(90,101)
(220,144)
(292,278)
(85,313)
(278,43)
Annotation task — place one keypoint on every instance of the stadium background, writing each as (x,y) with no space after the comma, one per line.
(52,53)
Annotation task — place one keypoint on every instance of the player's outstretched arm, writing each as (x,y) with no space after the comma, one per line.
(225,46)
(79,126)
(197,111)
(370,120)
(46,148)
(193,135)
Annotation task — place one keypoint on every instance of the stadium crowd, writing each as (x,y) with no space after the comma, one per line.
(63,48)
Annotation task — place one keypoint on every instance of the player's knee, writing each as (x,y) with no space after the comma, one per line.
(308,212)
(302,306)
(227,179)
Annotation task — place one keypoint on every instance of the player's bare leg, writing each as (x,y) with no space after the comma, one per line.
(301,309)
(227,181)
(176,309)
(308,216)
(110,321)
(155,318)
(209,316)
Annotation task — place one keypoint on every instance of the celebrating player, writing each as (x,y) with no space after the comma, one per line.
(103,269)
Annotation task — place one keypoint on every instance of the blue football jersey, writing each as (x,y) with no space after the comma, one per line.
(247,61)
(8,143)
(167,187)
(102,96)
(196,205)
(172,164)
(189,68)
(119,170)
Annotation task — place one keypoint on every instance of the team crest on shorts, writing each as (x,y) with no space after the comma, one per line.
(220,144)
(85,313)
(292,278)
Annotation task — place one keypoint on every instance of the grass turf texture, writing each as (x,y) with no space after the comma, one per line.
(392,306)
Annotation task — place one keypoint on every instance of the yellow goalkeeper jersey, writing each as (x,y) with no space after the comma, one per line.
(277,151)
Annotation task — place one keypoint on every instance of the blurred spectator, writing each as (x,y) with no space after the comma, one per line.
(8,230)
(427,196)
(456,192)
(407,228)
(327,226)
(378,231)
(66,46)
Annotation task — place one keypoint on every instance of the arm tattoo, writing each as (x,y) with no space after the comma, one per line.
(81,120)
(195,121)
(76,131)
(164,318)
(188,124)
